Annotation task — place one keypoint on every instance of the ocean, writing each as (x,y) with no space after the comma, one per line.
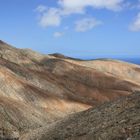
(131,60)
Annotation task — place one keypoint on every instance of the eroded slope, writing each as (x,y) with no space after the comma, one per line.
(118,120)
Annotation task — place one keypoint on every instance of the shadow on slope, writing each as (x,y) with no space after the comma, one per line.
(117,120)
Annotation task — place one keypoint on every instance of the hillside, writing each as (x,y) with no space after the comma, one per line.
(117,120)
(37,90)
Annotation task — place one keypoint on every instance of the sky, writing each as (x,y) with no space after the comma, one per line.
(77,28)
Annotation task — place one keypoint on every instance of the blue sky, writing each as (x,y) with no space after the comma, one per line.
(78,28)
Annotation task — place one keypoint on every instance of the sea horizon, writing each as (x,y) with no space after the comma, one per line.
(133,60)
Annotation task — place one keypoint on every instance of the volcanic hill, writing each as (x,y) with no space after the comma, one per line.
(38,90)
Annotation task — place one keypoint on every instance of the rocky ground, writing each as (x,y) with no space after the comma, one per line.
(117,120)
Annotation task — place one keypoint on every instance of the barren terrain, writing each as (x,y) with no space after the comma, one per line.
(37,90)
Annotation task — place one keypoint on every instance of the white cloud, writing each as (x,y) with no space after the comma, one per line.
(80,5)
(86,24)
(54,16)
(41,8)
(50,18)
(58,34)
(135,26)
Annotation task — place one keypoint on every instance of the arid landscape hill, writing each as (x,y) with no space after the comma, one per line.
(117,120)
(37,90)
